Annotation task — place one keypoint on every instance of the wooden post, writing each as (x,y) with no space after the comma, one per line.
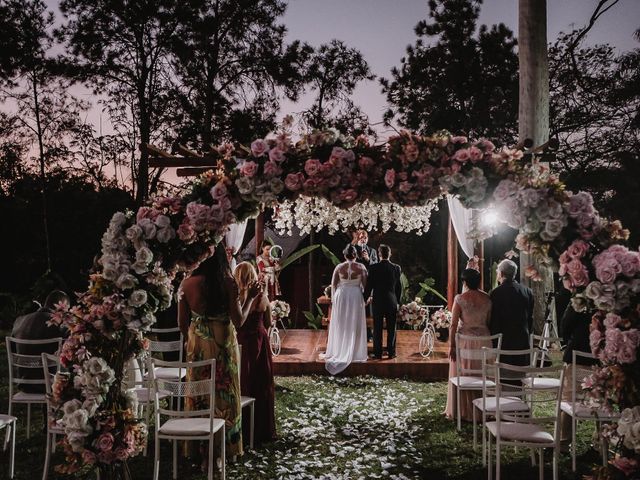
(452,264)
(259,233)
(479,251)
(533,116)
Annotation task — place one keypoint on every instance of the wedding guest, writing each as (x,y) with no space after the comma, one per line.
(512,311)
(268,271)
(33,326)
(256,378)
(575,335)
(471,313)
(208,314)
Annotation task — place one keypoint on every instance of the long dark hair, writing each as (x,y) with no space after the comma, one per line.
(472,278)
(350,252)
(214,270)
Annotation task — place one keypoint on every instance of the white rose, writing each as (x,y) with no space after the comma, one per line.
(245,185)
(148,227)
(126,281)
(77,420)
(91,406)
(162,221)
(458,180)
(166,234)
(96,365)
(134,232)
(109,273)
(118,219)
(71,406)
(140,268)
(138,298)
(144,255)
(553,228)
(276,185)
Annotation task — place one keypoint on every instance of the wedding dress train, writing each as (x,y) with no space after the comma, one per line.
(347,340)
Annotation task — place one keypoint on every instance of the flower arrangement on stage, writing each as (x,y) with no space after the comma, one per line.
(279,310)
(441,319)
(413,314)
(143,251)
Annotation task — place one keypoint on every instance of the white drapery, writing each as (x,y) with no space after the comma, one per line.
(233,239)
(462,224)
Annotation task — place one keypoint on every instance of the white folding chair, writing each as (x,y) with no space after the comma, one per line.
(182,424)
(50,362)
(164,346)
(31,367)
(9,422)
(469,379)
(535,431)
(487,404)
(542,347)
(579,411)
(248,402)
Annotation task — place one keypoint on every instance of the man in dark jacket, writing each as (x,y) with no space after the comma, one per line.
(384,281)
(511,312)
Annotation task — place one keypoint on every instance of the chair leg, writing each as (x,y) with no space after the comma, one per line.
(12,451)
(47,458)
(210,456)
(28,421)
(475,433)
(490,457)
(541,465)
(574,426)
(458,408)
(498,459)
(223,453)
(252,425)
(175,459)
(156,460)
(556,455)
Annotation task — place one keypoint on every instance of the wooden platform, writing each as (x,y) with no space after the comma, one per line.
(301,349)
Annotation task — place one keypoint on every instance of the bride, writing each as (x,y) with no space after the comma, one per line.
(348,327)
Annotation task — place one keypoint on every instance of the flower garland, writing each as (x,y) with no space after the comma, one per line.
(143,251)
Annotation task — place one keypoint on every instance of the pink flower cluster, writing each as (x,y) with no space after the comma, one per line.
(615,261)
(582,211)
(572,269)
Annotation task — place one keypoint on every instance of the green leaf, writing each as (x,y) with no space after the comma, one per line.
(296,255)
(428,287)
(330,255)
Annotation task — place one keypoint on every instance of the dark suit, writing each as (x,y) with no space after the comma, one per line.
(384,282)
(512,316)
(34,327)
(373,256)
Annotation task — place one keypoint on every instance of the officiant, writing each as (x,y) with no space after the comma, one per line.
(365,254)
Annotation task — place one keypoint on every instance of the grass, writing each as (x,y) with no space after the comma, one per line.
(337,428)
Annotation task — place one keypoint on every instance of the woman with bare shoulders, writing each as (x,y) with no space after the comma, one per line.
(470,316)
(347,340)
(208,314)
(256,372)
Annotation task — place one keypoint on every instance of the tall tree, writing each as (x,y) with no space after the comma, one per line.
(121,47)
(457,76)
(232,61)
(333,73)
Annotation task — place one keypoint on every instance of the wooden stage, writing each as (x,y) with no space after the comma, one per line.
(301,349)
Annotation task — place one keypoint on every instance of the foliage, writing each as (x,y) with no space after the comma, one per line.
(456,79)
(314,320)
(330,255)
(232,62)
(296,255)
(427,287)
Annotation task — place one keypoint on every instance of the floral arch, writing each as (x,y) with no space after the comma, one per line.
(143,251)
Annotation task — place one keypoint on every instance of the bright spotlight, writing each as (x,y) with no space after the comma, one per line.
(490,217)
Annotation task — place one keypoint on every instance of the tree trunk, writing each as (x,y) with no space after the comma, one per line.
(312,272)
(43,178)
(143,167)
(533,118)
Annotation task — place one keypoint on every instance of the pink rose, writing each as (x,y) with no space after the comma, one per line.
(390,178)
(565,257)
(186,232)
(105,442)
(147,212)
(219,190)
(333,181)
(404,187)
(365,163)
(630,263)
(581,277)
(272,169)
(578,249)
(411,151)
(249,168)
(276,155)
(88,457)
(121,453)
(337,155)
(487,145)
(475,154)
(627,466)
(259,148)
(310,184)
(348,195)
(581,202)
(462,155)
(326,169)
(459,139)
(312,166)
(294,181)
(595,337)
(612,320)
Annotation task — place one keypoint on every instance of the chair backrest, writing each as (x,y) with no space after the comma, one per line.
(540,401)
(50,362)
(543,345)
(27,369)
(182,388)
(470,352)
(166,346)
(578,373)
(135,374)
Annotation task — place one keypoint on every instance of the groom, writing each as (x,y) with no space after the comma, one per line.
(384,281)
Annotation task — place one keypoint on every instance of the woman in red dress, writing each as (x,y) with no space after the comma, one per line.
(256,372)
(268,269)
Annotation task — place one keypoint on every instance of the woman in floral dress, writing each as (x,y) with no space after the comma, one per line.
(208,314)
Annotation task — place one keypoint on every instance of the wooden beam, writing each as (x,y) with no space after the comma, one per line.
(191,171)
(153,150)
(172,162)
(184,151)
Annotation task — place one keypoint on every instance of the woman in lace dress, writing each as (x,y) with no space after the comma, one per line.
(347,341)
(471,313)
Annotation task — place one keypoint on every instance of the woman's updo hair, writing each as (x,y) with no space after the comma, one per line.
(350,252)
(471,277)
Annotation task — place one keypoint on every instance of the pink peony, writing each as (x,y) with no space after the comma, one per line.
(276,155)
(612,320)
(630,263)
(219,190)
(459,139)
(475,154)
(249,169)
(312,166)
(578,249)
(259,147)
(390,178)
(294,181)
(272,169)
(186,232)
(462,155)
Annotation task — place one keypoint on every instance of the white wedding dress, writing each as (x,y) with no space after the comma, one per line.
(347,340)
